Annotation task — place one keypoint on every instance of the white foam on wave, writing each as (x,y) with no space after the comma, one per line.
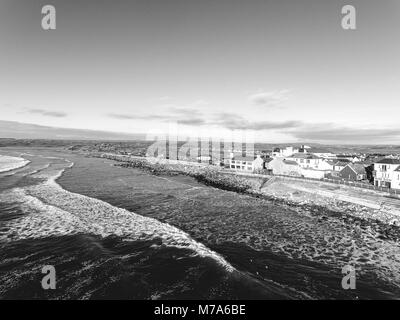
(52,211)
(8,163)
(38,170)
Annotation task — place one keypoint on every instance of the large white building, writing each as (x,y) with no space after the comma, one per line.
(280,166)
(305,160)
(249,164)
(311,161)
(387,173)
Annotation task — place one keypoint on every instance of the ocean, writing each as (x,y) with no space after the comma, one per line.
(121,233)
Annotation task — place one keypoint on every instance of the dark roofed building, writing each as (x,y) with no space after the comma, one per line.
(388,161)
(339,165)
(353,172)
(304,156)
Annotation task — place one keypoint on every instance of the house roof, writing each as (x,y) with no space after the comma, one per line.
(304,156)
(290,162)
(357,168)
(366,163)
(241,158)
(389,161)
(346,156)
(343,160)
(341,163)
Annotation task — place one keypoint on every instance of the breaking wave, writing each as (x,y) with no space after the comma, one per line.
(49,210)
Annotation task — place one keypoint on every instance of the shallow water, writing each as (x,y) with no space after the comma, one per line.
(171,237)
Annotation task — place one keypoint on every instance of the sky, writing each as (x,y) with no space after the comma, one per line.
(283,70)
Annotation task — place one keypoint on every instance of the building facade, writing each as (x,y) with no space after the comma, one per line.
(249,164)
(386,173)
(280,166)
(306,161)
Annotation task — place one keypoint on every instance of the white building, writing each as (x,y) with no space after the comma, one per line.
(204,158)
(280,166)
(352,158)
(326,155)
(396,179)
(387,173)
(306,160)
(249,164)
(314,174)
(286,152)
(289,167)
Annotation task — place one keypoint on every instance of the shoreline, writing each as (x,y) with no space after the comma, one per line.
(271,189)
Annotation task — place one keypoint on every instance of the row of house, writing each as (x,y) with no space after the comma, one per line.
(299,164)
(386,172)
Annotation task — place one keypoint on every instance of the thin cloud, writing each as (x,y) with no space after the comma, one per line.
(121,116)
(226,120)
(193,121)
(183,112)
(332,133)
(177,114)
(235,122)
(47,113)
(269,99)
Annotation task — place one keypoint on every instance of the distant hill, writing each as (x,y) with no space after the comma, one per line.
(18,130)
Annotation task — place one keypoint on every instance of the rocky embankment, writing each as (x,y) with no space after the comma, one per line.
(209,175)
